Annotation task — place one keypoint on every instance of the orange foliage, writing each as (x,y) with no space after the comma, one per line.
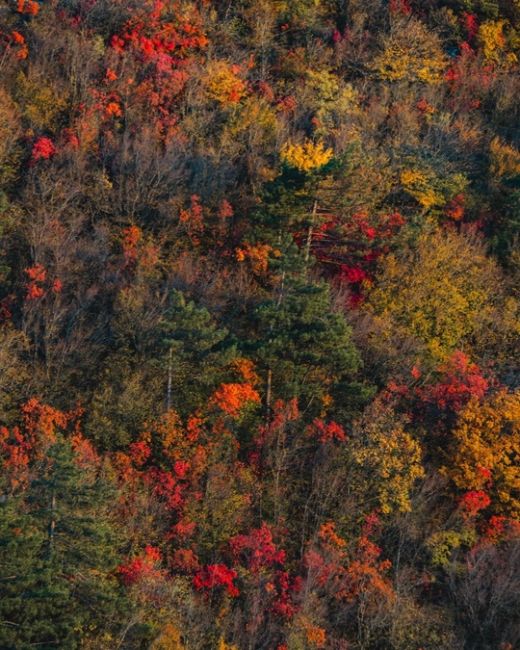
(233,398)
(246,369)
(28,7)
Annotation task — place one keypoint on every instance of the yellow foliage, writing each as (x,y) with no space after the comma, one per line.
(444,293)
(223,83)
(411,54)
(491,39)
(487,444)
(390,459)
(306,157)
(505,159)
(257,118)
(41,103)
(169,639)
(323,84)
(419,185)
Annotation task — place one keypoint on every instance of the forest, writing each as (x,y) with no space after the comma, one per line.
(260,324)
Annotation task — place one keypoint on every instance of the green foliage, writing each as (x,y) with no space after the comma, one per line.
(58,554)
(302,341)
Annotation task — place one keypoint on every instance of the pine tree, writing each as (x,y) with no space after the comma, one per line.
(58,553)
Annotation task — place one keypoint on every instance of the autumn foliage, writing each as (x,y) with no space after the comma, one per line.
(259,324)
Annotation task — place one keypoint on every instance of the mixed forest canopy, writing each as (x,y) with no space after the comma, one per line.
(260,324)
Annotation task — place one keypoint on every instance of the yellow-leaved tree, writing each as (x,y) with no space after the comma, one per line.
(389,459)
(486,454)
(306,157)
(410,53)
(446,294)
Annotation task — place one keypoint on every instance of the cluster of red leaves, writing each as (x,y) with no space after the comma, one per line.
(138,252)
(162,48)
(467,79)
(37,284)
(285,589)
(43,148)
(142,567)
(257,548)
(460,381)
(326,432)
(15,455)
(166,486)
(472,502)
(499,528)
(139,452)
(470,24)
(157,42)
(454,384)
(131,238)
(350,250)
(214,576)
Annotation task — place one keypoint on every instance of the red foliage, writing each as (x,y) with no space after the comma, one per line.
(258,548)
(349,250)
(214,576)
(142,567)
(352,274)
(470,22)
(165,486)
(22,446)
(326,432)
(283,605)
(193,219)
(85,454)
(43,149)
(225,210)
(16,41)
(424,106)
(139,452)
(500,528)
(183,529)
(162,43)
(460,381)
(473,502)
(37,273)
(287,104)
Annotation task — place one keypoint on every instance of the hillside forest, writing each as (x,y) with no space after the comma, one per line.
(260,324)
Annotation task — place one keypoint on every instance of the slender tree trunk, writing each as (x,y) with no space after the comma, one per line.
(268,392)
(310,232)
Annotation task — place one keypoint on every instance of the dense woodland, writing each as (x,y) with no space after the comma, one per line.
(260,324)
